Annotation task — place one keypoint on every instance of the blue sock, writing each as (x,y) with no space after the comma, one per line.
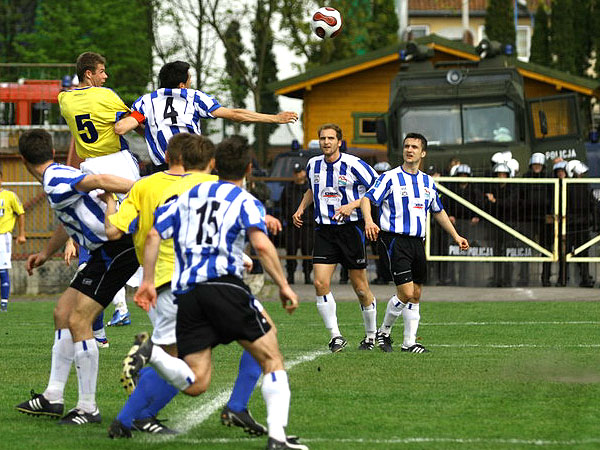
(136,401)
(248,375)
(99,322)
(151,394)
(160,394)
(5,284)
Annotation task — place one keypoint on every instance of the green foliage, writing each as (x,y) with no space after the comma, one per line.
(367,25)
(501,375)
(17,17)
(563,37)
(499,22)
(117,30)
(234,65)
(264,71)
(595,14)
(540,41)
(582,30)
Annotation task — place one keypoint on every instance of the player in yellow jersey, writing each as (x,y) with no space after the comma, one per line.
(11,211)
(91,111)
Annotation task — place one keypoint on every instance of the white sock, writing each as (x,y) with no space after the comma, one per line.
(369,314)
(411,323)
(100,334)
(276,392)
(86,362)
(392,312)
(174,370)
(63,352)
(327,308)
(120,302)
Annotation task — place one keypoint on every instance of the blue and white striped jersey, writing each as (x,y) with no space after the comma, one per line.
(208,225)
(338,183)
(403,200)
(172,111)
(81,213)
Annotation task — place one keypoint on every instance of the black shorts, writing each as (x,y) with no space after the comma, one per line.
(215,312)
(405,257)
(343,244)
(110,266)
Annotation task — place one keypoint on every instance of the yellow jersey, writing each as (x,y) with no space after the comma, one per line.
(136,214)
(91,113)
(10,208)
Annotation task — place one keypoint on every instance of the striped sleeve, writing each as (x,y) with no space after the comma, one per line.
(205,104)
(436,204)
(378,191)
(253,215)
(138,105)
(367,173)
(61,188)
(165,219)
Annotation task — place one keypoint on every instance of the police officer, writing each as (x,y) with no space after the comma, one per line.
(297,238)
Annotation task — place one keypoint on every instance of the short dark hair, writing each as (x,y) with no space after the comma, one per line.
(331,126)
(173,73)
(88,61)
(36,146)
(192,150)
(416,136)
(232,157)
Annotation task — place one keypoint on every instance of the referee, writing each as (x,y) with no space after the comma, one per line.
(404,195)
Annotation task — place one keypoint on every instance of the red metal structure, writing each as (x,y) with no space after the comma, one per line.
(25,94)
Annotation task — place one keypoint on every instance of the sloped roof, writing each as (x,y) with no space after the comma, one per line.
(295,86)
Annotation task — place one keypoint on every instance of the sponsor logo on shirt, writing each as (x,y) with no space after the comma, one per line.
(342,180)
(418,206)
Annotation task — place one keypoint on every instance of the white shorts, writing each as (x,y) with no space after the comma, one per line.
(122,164)
(164,318)
(5,250)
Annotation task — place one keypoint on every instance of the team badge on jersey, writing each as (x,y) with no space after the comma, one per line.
(403,191)
(342,180)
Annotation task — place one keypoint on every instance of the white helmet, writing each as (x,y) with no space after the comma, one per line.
(497,158)
(462,169)
(513,165)
(580,168)
(570,166)
(561,165)
(382,166)
(537,158)
(502,168)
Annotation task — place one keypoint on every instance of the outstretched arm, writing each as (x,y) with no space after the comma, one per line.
(111,183)
(245,115)
(442,218)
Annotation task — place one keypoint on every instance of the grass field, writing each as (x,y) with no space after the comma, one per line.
(500,375)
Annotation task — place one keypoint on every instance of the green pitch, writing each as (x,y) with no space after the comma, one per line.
(500,375)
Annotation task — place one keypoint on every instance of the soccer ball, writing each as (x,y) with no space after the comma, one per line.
(326,22)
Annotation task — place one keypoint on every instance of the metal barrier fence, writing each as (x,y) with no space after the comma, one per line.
(507,221)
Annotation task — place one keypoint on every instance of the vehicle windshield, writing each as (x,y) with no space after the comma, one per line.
(459,124)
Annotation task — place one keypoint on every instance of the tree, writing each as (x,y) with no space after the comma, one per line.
(17,19)
(264,71)
(563,38)
(540,41)
(235,68)
(582,29)
(499,22)
(117,30)
(367,25)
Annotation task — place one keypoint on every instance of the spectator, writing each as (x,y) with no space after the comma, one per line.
(297,238)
